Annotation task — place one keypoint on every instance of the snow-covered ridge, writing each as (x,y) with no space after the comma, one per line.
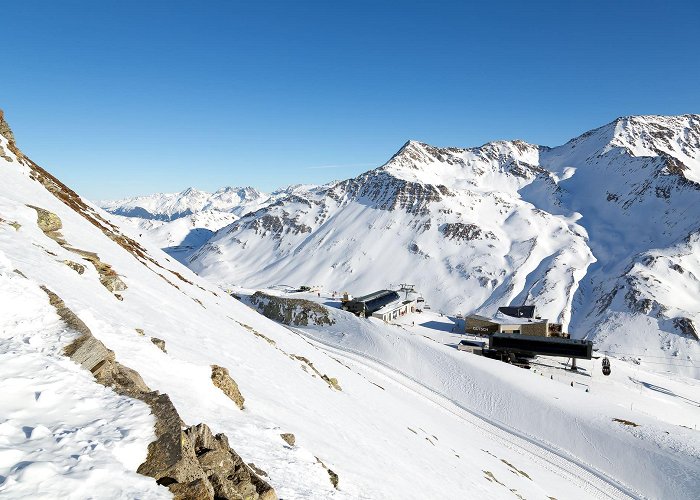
(169,206)
(504,223)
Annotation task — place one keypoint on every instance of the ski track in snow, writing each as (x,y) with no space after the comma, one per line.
(594,482)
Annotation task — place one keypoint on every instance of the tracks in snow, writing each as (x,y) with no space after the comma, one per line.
(595,483)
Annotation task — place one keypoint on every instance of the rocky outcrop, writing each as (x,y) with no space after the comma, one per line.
(465,232)
(288,438)
(331,381)
(6,132)
(686,326)
(332,476)
(159,343)
(294,312)
(221,379)
(78,268)
(50,224)
(190,461)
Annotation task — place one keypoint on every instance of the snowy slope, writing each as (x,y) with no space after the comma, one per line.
(564,228)
(61,434)
(179,237)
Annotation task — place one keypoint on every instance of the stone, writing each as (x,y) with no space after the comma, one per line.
(203,440)
(216,460)
(288,438)
(47,221)
(199,489)
(171,457)
(224,488)
(332,476)
(257,469)
(159,343)
(112,282)
(221,379)
(78,268)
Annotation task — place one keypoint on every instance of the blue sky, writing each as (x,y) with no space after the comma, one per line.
(119,98)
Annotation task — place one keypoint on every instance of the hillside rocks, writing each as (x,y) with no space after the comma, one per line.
(294,312)
(221,379)
(51,224)
(6,132)
(288,438)
(47,221)
(332,476)
(465,232)
(159,343)
(78,268)
(686,326)
(192,463)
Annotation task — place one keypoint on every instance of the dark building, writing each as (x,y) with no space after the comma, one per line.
(364,306)
(518,311)
(548,346)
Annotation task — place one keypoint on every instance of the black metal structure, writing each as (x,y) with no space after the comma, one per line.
(368,304)
(548,346)
(518,311)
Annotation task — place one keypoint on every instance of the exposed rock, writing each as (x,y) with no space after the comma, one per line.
(159,343)
(257,470)
(78,268)
(221,379)
(331,381)
(288,438)
(686,326)
(465,232)
(6,132)
(331,475)
(47,221)
(12,223)
(295,312)
(203,440)
(171,457)
(192,463)
(50,224)
(199,489)
(5,129)
(140,331)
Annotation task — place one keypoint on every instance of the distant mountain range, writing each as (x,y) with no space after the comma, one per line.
(601,233)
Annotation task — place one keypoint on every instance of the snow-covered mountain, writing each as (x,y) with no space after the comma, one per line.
(170,206)
(125,375)
(180,223)
(600,233)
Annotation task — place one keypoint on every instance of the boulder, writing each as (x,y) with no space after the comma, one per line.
(47,221)
(159,343)
(288,438)
(221,379)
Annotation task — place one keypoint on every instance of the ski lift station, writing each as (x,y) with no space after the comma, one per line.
(386,305)
(522,320)
(518,331)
